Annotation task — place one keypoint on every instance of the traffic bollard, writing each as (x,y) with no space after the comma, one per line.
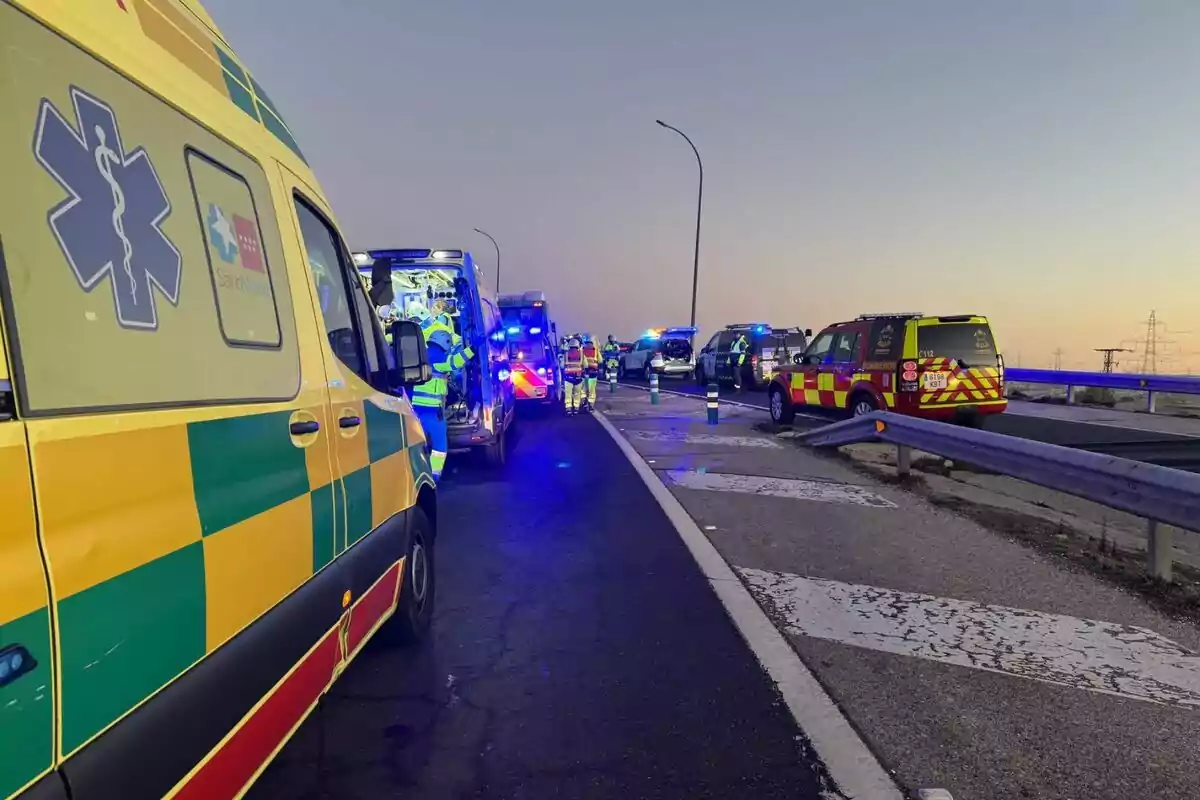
(712,404)
(654,388)
(612,382)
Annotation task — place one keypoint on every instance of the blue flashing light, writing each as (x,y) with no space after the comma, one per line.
(541,370)
(514,329)
(504,374)
(761,329)
(498,336)
(398,254)
(535,331)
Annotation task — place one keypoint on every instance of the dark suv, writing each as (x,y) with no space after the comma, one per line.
(769,348)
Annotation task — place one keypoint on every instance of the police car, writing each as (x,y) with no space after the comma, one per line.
(767,348)
(665,351)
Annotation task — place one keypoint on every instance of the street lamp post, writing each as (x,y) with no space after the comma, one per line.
(488,235)
(699,207)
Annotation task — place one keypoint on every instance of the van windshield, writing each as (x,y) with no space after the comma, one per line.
(527,351)
(970,343)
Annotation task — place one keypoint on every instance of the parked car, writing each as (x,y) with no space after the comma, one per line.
(666,351)
(944,368)
(768,348)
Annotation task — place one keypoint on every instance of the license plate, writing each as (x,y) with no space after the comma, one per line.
(932,381)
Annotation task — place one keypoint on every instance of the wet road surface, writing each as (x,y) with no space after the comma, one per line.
(577,652)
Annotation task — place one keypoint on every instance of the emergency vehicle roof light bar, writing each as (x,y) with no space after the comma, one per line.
(896,315)
(686,330)
(409,254)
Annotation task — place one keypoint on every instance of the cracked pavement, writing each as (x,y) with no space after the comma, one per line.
(577,652)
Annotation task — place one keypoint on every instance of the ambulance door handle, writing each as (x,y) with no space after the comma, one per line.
(305,427)
(349,422)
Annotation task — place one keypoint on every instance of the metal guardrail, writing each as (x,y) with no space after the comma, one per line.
(1150,384)
(1155,493)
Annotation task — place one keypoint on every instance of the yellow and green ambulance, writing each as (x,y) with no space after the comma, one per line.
(213,491)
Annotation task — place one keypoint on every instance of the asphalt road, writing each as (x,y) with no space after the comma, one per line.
(577,652)
(1179,452)
(966,660)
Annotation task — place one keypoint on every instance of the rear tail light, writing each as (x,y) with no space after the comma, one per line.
(1000,365)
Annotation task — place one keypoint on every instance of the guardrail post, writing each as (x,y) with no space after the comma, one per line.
(1158,551)
(1071,395)
(712,397)
(1150,402)
(654,388)
(903,459)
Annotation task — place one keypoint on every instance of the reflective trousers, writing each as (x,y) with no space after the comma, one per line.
(573,392)
(433,420)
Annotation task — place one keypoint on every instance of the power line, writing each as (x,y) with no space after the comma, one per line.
(1058,354)
(1109,362)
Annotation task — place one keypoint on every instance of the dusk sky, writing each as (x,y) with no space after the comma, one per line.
(1037,161)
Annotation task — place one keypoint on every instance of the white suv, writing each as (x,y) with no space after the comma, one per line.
(668,352)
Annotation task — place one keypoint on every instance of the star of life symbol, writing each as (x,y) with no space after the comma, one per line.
(110,223)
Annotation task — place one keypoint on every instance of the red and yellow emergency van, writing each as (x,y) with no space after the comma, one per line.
(532,345)
(945,368)
(214,491)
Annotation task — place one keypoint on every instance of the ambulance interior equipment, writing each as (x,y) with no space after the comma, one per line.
(437,289)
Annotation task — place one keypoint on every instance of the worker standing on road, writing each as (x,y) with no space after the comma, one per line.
(429,398)
(737,359)
(573,364)
(611,354)
(591,369)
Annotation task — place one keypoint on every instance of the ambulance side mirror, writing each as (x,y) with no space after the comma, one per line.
(409,354)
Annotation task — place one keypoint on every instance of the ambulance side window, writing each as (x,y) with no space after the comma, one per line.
(323,249)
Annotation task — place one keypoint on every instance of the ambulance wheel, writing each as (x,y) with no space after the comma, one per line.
(782,412)
(862,404)
(496,453)
(414,613)
(621,370)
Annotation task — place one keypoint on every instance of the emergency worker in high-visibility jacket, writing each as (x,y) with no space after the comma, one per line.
(737,359)
(611,353)
(591,368)
(573,366)
(429,398)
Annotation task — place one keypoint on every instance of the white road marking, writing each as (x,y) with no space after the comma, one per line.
(849,762)
(703,439)
(1102,657)
(819,491)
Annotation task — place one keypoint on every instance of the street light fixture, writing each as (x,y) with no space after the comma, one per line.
(699,207)
(488,235)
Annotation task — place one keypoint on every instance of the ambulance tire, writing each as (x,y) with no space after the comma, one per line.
(414,613)
(621,370)
(862,404)
(496,453)
(781,408)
